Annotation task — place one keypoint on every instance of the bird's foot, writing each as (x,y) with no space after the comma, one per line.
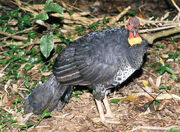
(109,115)
(111,121)
(105,121)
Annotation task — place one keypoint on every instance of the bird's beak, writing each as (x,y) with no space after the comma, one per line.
(134,32)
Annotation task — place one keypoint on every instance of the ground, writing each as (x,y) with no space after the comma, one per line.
(134,113)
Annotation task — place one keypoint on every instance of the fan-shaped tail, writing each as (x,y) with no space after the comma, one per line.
(50,95)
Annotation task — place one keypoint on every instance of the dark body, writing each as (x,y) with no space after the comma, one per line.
(99,60)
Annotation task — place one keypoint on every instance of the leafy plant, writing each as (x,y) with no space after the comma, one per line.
(45,114)
(114,100)
(94,26)
(173,130)
(42,16)
(65,39)
(173,55)
(53,7)
(160,45)
(80,29)
(76,94)
(47,44)
(162,69)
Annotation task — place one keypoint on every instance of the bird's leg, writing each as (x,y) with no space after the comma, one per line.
(107,107)
(100,109)
(101,113)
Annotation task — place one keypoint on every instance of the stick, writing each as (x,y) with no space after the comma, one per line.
(116,18)
(175,5)
(13,36)
(154,128)
(151,37)
(156,29)
(23,31)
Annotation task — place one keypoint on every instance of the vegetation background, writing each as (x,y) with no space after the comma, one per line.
(34,32)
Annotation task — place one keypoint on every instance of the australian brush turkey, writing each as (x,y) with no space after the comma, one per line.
(99,60)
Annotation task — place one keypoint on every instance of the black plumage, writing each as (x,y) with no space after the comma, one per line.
(99,60)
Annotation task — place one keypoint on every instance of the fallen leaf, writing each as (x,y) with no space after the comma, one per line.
(158,81)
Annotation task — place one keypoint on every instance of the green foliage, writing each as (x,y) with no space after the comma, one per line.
(59,48)
(42,16)
(5,119)
(160,68)
(178,80)
(131,13)
(80,29)
(43,79)
(27,125)
(53,7)
(27,85)
(31,35)
(114,100)
(162,86)
(47,44)
(156,102)
(106,20)
(94,26)
(71,12)
(160,45)
(76,94)
(173,55)
(24,21)
(16,100)
(65,39)
(173,130)
(45,114)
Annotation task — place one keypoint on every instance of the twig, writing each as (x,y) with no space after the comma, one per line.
(144,21)
(153,128)
(174,3)
(149,72)
(116,18)
(151,37)
(9,111)
(76,8)
(19,4)
(4,68)
(23,31)
(156,29)
(14,37)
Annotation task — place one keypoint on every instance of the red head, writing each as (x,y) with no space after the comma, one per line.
(133,27)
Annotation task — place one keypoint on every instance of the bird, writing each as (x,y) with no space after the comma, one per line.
(100,60)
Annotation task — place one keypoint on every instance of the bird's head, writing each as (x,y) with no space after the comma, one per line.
(133,27)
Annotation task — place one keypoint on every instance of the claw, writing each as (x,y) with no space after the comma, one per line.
(101,112)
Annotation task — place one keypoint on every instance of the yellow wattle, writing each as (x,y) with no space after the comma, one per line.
(133,41)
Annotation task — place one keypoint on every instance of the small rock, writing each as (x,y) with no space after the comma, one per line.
(164,56)
(170,60)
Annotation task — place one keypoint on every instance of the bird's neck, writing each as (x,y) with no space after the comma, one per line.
(133,40)
(136,54)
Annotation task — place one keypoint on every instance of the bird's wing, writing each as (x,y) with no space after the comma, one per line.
(87,62)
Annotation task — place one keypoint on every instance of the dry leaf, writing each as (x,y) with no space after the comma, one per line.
(4,100)
(158,81)
(14,88)
(145,83)
(161,61)
(153,84)
(163,104)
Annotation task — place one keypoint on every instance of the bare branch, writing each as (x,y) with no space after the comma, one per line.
(151,37)
(116,18)
(174,3)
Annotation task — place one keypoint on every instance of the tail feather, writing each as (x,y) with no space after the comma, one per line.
(49,95)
